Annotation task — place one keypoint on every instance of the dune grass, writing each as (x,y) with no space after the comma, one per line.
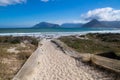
(14,61)
(95,43)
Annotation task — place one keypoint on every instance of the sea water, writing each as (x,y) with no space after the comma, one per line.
(54,32)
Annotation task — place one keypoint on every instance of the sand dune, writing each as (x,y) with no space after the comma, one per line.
(49,63)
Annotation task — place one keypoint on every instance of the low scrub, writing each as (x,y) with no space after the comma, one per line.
(17,40)
(10,63)
(95,43)
(24,55)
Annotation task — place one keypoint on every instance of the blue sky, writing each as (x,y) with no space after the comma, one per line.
(26,13)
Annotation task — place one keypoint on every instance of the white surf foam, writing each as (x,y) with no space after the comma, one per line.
(57,34)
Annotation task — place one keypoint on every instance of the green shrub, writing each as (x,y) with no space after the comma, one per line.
(96,43)
(34,42)
(15,41)
(23,55)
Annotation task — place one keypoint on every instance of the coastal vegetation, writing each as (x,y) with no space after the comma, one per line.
(14,51)
(94,43)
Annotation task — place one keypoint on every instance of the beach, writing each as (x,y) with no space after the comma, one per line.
(59,40)
(48,62)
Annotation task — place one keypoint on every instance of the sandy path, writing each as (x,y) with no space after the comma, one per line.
(50,63)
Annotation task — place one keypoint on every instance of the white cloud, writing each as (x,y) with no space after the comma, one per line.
(102,14)
(10,2)
(80,21)
(44,0)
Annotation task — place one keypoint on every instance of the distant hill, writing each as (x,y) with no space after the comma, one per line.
(46,25)
(71,25)
(94,24)
(112,24)
(51,25)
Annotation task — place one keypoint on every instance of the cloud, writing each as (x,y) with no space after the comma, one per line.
(80,21)
(102,14)
(44,0)
(11,2)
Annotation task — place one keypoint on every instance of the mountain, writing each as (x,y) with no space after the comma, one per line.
(112,24)
(46,25)
(51,25)
(71,25)
(94,24)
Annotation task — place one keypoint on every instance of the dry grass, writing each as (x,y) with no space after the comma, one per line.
(10,63)
(93,44)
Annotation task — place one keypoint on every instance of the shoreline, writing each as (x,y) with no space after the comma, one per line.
(57,34)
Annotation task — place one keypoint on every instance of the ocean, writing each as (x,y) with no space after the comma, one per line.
(55,32)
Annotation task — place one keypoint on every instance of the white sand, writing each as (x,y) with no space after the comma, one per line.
(12,50)
(50,63)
